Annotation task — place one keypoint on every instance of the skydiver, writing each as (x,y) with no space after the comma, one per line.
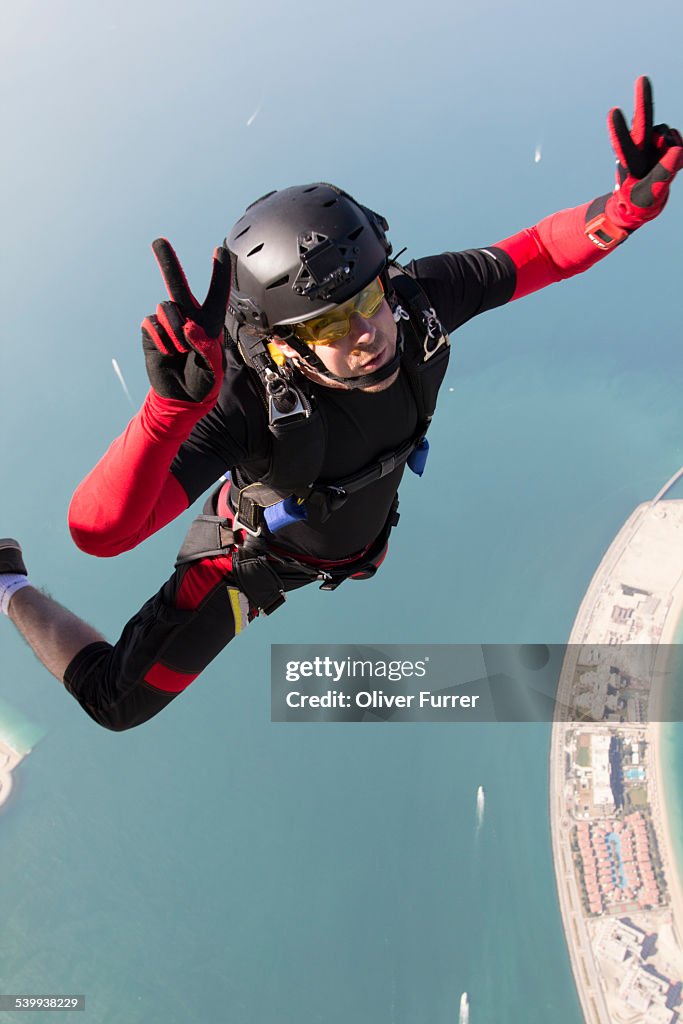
(306,398)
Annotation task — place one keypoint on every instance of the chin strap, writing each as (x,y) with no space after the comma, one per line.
(311,360)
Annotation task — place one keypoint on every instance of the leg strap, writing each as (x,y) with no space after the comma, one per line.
(212,536)
(258,580)
(208,537)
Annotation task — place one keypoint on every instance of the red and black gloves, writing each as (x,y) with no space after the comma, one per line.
(570,241)
(131,492)
(648,158)
(183,342)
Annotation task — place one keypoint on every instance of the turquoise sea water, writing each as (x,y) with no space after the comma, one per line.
(17,730)
(672,748)
(214,863)
(213,866)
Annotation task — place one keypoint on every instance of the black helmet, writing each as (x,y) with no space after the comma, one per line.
(298,252)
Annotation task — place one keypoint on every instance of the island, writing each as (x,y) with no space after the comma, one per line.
(617,878)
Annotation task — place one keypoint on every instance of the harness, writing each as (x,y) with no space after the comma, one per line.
(289,491)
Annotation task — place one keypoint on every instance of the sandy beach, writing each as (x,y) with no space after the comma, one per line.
(657,787)
(634,597)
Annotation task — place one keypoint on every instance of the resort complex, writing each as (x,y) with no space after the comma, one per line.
(618,888)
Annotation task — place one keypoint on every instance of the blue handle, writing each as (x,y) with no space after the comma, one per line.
(417,459)
(284,514)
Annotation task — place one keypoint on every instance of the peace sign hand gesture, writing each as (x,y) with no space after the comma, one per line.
(183,341)
(648,158)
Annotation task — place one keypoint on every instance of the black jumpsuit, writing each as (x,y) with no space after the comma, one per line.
(200,608)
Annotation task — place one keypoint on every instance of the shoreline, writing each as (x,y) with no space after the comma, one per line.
(634,597)
(666,807)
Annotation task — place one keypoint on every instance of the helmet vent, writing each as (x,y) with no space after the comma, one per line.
(261,198)
(301,250)
(277,284)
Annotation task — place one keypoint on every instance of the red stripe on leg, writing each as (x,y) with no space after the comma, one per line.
(200,579)
(169,679)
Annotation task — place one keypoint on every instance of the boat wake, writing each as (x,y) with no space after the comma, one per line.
(481,800)
(464,1017)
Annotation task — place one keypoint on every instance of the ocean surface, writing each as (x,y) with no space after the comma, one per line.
(211,865)
(671,738)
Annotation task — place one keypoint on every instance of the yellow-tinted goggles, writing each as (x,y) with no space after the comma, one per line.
(332,326)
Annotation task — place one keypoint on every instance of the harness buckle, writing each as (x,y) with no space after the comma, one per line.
(285,401)
(387,464)
(336,497)
(238,525)
(247,510)
(329,583)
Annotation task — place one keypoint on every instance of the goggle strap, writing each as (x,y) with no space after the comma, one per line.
(306,353)
(365,380)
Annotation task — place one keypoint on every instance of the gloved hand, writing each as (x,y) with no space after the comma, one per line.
(648,159)
(183,342)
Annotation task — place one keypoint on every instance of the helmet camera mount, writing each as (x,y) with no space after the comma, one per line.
(325,265)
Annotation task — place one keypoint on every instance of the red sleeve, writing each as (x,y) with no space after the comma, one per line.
(131,492)
(556,248)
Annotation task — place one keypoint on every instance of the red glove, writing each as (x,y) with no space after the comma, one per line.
(571,241)
(183,342)
(648,158)
(131,492)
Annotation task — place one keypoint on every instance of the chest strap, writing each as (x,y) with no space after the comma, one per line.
(258,503)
